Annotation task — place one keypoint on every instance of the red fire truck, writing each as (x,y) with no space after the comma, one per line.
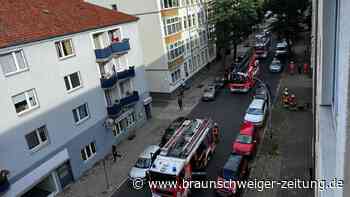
(262,44)
(244,81)
(184,156)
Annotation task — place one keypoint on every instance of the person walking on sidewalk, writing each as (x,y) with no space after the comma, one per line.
(179,101)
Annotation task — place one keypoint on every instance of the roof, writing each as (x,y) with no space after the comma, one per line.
(148,151)
(168,165)
(233,162)
(33,20)
(257,103)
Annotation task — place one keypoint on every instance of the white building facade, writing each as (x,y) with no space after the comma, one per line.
(331,60)
(176,36)
(65,101)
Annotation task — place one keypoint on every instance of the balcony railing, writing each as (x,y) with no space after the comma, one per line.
(132,98)
(103,55)
(110,81)
(115,109)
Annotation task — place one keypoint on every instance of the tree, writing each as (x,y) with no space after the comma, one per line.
(233,21)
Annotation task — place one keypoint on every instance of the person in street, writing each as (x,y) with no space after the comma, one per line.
(291,67)
(179,102)
(115,153)
(292,102)
(216,133)
(300,69)
(285,97)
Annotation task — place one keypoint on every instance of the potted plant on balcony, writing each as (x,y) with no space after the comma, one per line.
(4,183)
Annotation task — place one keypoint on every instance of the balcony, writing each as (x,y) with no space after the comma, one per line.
(111,80)
(115,109)
(130,99)
(116,48)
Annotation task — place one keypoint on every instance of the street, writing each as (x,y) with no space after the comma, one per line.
(228,111)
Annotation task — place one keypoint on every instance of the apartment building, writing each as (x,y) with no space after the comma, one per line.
(331,60)
(176,36)
(72,84)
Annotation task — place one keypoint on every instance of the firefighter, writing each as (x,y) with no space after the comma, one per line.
(216,133)
(306,68)
(292,102)
(291,67)
(285,97)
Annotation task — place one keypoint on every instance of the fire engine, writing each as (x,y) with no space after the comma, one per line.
(184,156)
(243,81)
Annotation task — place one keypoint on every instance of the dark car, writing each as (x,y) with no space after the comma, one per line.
(219,82)
(261,93)
(171,129)
(235,169)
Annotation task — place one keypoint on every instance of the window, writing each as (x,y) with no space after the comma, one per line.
(114,7)
(13,62)
(169,3)
(175,50)
(25,101)
(88,151)
(189,21)
(199,18)
(37,138)
(185,22)
(176,76)
(127,122)
(172,25)
(194,19)
(81,113)
(64,48)
(72,81)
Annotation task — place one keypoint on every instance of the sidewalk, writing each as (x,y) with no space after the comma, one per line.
(93,182)
(286,151)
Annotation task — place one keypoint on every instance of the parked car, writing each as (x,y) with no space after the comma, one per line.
(144,162)
(275,66)
(235,169)
(282,48)
(256,112)
(219,82)
(261,93)
(171,129)
(209,93)
(245,143)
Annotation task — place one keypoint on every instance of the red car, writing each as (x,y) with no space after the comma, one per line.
(245,143)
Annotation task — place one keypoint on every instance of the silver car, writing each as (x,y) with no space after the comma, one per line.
(144,162)
(209,93)
(256,112)
(275,66)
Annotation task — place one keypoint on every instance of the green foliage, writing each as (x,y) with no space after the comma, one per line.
(233,20)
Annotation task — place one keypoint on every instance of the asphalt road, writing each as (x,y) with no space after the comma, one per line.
(228,111)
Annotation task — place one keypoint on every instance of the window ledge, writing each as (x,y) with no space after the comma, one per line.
(66,57)
(27,111)
(91,157)
(74,89)
(82,121)
(39,147)
(17,72)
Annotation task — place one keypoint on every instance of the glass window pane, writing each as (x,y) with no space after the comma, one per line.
(75,115)
(20,102)
(43,133)
(32,98)
(93,148)
(58,49)
(20,60)
(67,47)
(32,140)
(7,63)
(83,111)
(74,78)
(88,151)
(83,155)
(66,81)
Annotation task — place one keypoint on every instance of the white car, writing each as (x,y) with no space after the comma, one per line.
(144,163)
(256,112)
